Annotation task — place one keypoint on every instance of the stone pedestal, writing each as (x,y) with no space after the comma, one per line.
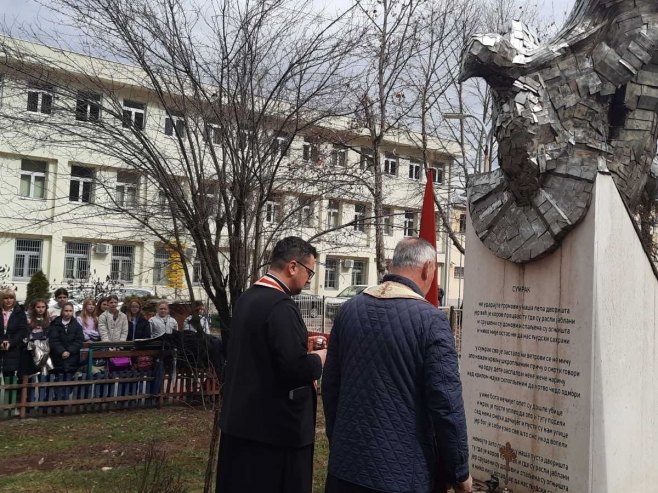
(559,360)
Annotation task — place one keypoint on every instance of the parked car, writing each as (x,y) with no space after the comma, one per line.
(334,304)
(309,304)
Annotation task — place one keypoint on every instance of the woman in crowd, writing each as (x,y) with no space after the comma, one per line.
(12,332)
(198,313)
(101,306)
(62,297)
(89,321)
(163,323)
(66,339)
(35,359)
(138,326)
(112,324)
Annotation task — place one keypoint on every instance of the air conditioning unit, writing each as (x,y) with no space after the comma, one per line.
(103,248)
(190,253)
(348,263)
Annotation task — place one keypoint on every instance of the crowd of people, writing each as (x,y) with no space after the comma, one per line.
(37,339)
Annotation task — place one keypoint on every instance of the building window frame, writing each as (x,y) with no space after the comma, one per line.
(414,169)
(391,165)
(331,273)
(88,107)
(174,121)
(27,257)
(333,213)
(388,221)
(127,189)
(438,170)
(360,217)
(338,156)
(33,174)
(359,272)
(160,262)
(122,264)
(310,151)
(134,114)
(40,99)
(458,272)
(272,211)
(367,158)
(462,222)
(77,261)
(409,223)
(81,185)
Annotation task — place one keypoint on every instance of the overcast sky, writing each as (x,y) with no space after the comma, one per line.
(14,12)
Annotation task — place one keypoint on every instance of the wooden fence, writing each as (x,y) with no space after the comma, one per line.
(84,392)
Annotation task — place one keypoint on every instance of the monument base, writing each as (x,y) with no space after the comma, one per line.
(559,360)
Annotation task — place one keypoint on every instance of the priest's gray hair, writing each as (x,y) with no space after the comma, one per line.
(413,252)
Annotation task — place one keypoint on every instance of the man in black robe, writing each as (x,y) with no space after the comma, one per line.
(269,405)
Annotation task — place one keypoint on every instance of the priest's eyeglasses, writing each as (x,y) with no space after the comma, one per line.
(309,271)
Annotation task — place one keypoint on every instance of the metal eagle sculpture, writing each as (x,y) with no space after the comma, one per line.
(582,103)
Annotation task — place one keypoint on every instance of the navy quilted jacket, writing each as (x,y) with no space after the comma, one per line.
(390,387)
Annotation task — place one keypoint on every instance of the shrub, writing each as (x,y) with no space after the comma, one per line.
(38,287)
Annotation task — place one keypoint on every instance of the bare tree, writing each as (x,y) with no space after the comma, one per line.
(236,82)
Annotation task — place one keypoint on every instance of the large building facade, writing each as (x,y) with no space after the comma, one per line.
(64,207)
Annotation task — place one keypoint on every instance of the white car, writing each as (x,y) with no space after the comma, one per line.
(334,304)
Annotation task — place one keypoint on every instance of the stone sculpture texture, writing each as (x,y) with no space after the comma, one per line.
(584,102)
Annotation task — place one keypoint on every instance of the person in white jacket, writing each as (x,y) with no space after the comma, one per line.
(112,324)
(163,323)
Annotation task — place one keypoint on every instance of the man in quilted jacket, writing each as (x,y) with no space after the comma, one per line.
(391,388)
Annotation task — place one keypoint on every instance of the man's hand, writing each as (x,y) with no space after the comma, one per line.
(465,486)
(65,355)
(322,353)
(5,346)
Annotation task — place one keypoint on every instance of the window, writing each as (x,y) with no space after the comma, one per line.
(40,99)
(414,170)
(367,158)
(459,273)
(437,173)
(305,212)
(160,261)
(213,134)
(338,156)
(196,271)
(76,260)
(80,187)
(210,189)
(330,273)
(272,210)
(121,268)
(388,221)
(33,179)
(174,120)
(359,217)
(310,152)
(280,146)
(134,115)
(27,259)
(391,165)
(333,212)
(409,220)
(359,272)
(88,107)
(126,190)
(163,203)
(462,223)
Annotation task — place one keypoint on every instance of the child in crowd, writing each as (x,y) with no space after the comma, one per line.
(198,312)
(162,323)
(89,321)
(66,340)
(112,324)
(101,306)
(62,297)
(138,326)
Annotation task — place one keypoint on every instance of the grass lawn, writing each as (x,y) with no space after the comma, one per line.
(105,452)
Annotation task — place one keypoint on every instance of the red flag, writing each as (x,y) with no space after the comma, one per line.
(428,232)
